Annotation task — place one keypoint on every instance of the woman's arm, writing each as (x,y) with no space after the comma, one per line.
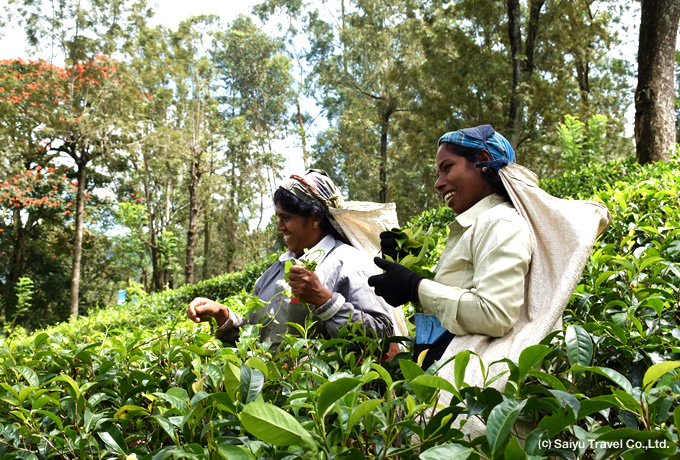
(344,296)
(356,301)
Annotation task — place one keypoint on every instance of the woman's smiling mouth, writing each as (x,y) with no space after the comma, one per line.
(449,195)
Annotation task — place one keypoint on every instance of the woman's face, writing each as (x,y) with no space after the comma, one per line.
(298,231)
(460,183)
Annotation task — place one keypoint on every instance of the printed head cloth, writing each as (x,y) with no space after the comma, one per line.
(315,187)
(483,137)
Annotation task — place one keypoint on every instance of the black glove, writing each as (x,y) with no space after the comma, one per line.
(397,285)
(388,245)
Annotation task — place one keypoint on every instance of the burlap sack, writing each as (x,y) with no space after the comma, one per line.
(361,222)
(563,234)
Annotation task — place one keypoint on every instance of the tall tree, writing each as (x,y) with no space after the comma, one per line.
(196,109)
(27,95)
(655,92)
(359,52)
(88,127)
(155,148)
(88,122)
(257,92)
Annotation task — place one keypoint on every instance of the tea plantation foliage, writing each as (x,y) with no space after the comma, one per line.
(139,381)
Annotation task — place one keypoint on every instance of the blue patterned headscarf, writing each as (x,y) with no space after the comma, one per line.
(483,137)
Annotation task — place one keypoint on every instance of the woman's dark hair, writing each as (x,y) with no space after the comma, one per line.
(491,176)
(294,205)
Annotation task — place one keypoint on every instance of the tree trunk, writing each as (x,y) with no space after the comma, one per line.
(303,136)
(382,198)
(231,222)
(654,95)
(195,173)
(522,62)
(384,129)
(206,240)
(16,262)
(165,224)
(156,277)
(78,238)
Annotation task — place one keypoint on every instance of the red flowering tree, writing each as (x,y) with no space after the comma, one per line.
(28,200)
(82,112)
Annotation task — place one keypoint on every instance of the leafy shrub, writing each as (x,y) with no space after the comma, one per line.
(140,381)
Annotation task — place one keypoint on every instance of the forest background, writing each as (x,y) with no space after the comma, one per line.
(143,157)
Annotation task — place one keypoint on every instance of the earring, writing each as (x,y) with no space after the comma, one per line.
(484,169)
(316,224)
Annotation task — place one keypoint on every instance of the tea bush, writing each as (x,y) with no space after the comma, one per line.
(139,381)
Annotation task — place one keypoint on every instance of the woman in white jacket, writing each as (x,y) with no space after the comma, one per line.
(479,281)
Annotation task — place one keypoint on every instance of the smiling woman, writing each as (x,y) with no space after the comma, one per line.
(512,261)
(335,293)
(478,287)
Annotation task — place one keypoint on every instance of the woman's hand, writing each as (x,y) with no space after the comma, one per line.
(397,285)
(389,246)
(202,309)
(306,286)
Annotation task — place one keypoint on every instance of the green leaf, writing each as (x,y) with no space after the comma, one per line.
(500,422)
(273,425)
(361,410)
(596,404)
(533,445)
(213,373)
(257,363)
(435,381)
(123,411)
(57,421)
(548,379)
(408,261)
(656,371)
(514,449)
(567,400)
(447,452)
(40,339)
(410,369)
(611,374)
(194,349)
(111,443)
(579,345)
(225,401)
(72,384)
(252,381)
(531,357)
(459,366)
(647,261)
(231,452)
(232,379)
(330,392)
(383,373)
(167,426)
(626,263)
(177,402)
(604,276)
